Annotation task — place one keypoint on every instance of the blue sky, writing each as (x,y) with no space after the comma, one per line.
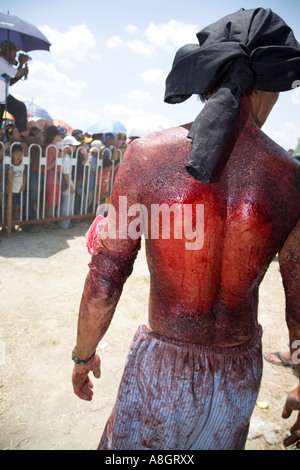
(109,60)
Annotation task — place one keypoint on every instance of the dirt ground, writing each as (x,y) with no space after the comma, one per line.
(41,280)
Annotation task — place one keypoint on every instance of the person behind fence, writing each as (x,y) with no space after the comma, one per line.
(111,161)
(122,142)
(97,147)
(103,174)
(8,72)
(81,187)
(193,372)
(111,152)
(19,181)
(291,153)
(13,136)
(51,153)
(35,141)
(68,185)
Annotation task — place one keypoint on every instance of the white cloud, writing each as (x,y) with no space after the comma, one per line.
(138,95)
(72,46)
(163,35)
(140,47)
(119,111)
(136,46)
(296,92)
(136,118)
(156,76)
(132,29)
(78,117)
(287,137)
(46,81)
(114,42)
(142,121)
(172,34)
(52,90)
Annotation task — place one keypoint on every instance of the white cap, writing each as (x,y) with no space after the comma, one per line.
(70,140)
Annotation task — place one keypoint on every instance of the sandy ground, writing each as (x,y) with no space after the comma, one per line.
(41,280)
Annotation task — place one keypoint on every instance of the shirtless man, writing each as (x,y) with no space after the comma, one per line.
(193,372)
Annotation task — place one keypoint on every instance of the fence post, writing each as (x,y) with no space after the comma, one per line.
(9,202)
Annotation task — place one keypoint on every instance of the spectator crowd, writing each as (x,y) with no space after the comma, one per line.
(55,174)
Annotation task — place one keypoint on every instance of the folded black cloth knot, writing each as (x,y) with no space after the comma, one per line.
(239,75)
(208,147)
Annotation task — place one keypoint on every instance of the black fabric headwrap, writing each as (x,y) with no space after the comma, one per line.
(250,49)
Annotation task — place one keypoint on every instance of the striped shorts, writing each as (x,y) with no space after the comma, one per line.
(184,396)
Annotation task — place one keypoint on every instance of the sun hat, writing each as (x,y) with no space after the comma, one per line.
(70,140)
(87,139)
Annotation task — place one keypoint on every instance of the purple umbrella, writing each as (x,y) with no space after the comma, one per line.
(25,35)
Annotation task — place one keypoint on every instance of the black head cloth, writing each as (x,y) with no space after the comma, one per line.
(249,49)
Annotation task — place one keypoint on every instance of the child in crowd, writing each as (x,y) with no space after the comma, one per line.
(68,186)
(52,179)
(96,153)
(19,180)
(108,154)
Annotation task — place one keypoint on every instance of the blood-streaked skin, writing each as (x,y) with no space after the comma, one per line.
(209,295)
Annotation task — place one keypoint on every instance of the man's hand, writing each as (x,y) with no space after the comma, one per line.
(293,404)
(23,58)
(25,71)
(82,384)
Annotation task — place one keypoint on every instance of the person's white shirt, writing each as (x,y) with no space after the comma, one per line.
(5,69)
(18,177)
(67,170)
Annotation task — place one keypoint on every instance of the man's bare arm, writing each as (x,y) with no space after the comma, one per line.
(102,291)
(111,265)
(289,260)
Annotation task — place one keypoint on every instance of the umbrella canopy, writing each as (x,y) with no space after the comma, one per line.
(60,123)
(7,119)
(7,115)
(103,127)
(27,36)
(34,110)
